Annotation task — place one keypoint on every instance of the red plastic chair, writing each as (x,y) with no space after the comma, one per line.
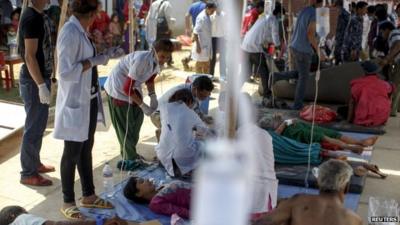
(6,80)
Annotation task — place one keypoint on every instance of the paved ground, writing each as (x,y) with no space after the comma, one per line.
(47,201)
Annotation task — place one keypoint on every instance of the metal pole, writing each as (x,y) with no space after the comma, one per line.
(132,25)
(290,29)
(232,78)
(63,18)
(24,5)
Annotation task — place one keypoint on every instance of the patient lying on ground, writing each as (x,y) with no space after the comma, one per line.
(301,132)
(167,200)
(302,209)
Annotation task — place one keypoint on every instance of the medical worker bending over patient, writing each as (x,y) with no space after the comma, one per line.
(125,98)
(182,132)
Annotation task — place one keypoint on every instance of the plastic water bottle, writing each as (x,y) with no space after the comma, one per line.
(108,180)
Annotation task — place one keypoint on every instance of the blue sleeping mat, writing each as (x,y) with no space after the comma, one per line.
(130,211)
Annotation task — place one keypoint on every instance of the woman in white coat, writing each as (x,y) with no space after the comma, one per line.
(179,150)
(76,109)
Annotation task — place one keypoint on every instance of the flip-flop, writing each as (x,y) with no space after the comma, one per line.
(98,203)
(72,213)
(375,169)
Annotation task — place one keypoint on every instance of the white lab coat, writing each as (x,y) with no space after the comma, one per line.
(203,30)
(154,14)
(265,182)
(177,141)
(264,31)
(74,94)
(140,66)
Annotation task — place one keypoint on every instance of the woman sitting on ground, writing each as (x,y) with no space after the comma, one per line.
(370,98)
(301,132)
(182,132)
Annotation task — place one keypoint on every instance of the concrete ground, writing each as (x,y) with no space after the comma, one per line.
(46,201)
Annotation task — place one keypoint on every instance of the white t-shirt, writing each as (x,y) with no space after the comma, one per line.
(264,31)
(156,11)
(366,28)
(139,66)
(28,219)
(217,24)
(177,141)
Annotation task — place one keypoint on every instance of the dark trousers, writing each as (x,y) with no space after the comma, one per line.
(218,47)
(35,125)
(259,63)
(302,63)
(79,154)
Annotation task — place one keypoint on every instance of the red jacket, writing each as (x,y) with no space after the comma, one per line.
(249,19)
(100,23)
(372,102)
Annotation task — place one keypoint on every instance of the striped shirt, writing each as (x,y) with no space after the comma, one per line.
(393,38)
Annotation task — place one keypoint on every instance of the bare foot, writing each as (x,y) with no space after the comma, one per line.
(369,141)
(89,199)
(356,149)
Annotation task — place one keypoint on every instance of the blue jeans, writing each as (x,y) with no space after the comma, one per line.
(35,125)
(302,63)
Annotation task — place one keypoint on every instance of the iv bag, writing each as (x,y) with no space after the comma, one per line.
(221,194)
(323,26)
(269,7)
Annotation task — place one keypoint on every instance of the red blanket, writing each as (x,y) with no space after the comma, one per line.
(372,102)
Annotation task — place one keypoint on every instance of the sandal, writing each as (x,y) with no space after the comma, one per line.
(98,203)
(72,213)
(374,168)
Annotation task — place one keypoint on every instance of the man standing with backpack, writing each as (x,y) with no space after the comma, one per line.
(159,21)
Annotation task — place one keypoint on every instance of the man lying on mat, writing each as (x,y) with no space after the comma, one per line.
(333,179)
(16,215)
(301,132)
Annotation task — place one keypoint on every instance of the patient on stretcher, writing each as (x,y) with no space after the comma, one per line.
(301,132)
